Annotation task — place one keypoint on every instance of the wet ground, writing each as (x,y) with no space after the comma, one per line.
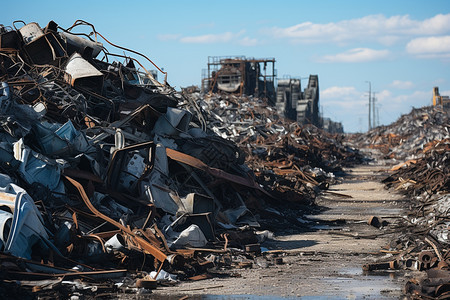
(325,262)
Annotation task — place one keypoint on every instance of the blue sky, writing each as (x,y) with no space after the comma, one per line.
(401,47)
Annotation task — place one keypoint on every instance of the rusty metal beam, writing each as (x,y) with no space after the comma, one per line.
(93,274)
(146,246)
(198,164)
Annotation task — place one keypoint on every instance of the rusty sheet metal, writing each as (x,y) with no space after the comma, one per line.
(149,248)
(427,174)
(406,163)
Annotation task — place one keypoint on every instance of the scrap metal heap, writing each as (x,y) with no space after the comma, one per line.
(290,159)
(107,174)
(422,139)
(425,243)
(404,138)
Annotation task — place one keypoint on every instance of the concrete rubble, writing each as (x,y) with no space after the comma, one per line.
(113,182)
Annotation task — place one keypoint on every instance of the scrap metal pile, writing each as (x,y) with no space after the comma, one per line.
(423,137)
(426,240)
(290,159)
(405,138)
(97,173)
(107,174)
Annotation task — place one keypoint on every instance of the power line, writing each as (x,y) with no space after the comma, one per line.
(373,111)
(370,103)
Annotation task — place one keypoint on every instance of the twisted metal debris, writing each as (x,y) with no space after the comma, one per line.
(108,174)
(422,139)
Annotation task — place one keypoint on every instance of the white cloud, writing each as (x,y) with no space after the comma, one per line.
(344,104)
(225,37)
(438,24)
(357,55)
(350,106)
(341,97)
(385,30)
(339,92)
(402,85)
(246,41)
(403,102)
(168,37)
(420,98)
(388,40)
(384,95)
(391,106)
(435,46)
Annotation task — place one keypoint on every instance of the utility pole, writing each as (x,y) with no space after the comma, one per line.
(378,115)
(370,104)
(374,121)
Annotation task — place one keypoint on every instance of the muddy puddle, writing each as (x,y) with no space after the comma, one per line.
(351,283)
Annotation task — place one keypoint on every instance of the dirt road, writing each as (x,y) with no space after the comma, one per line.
(325,262)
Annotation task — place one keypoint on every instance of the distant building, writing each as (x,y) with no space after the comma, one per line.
(298,105)
(256,77)
(303,106)
(331,126)
(240,76)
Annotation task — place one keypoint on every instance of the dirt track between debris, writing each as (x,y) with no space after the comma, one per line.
(326,260)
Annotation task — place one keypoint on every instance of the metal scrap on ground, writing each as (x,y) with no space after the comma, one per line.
(111,180)
(422,139)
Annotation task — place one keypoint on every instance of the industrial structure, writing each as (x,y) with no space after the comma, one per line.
(331,126)
(443,101)
(241,76)
(298,105)
(250,76)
